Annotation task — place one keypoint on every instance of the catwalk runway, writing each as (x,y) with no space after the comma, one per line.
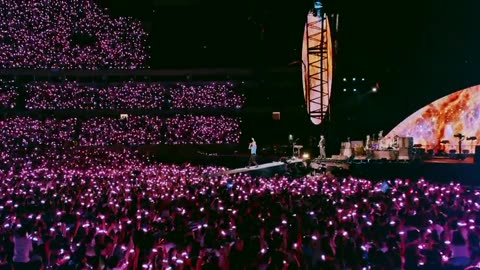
(255,168)
(265,166)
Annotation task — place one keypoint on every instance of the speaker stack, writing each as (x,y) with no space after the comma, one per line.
(476,157)
(405,145)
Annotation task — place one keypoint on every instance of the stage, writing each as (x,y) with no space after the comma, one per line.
(446,160)
(255,168)
(442,170)
(435,169)
(268,169)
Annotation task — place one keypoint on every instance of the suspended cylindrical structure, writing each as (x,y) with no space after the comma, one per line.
(317,58)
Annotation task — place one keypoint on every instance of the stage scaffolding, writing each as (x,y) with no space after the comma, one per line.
(318,80)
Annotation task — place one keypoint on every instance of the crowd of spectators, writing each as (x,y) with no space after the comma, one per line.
(73,95)
(134,130)
(214,95)
(132,95)
(91,208)
(139,130)
(203,130)
(68,34)
(29,132)
(8,93)
(74,207)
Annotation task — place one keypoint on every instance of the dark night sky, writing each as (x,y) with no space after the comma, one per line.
(416,50)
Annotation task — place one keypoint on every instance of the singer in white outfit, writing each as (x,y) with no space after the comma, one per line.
(321,145)
(253,153)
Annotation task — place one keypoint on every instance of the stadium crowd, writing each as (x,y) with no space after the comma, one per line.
(29,132)
(8,94)
(131,95)
(72,95)
(214,95)
(68,34)
(91,208)
(139,130)
(202,130)
(134,130)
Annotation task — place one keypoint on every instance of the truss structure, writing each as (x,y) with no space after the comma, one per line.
(317,57)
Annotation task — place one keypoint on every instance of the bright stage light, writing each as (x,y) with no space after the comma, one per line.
(344,79)
(374,89)
(306,156)
(354,90)
(344,89)
(354,79)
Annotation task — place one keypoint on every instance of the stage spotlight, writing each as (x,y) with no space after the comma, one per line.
(354,90)
(344,79)
(344,89)
(306,156)
(374,89)
(363,79)
(354,79)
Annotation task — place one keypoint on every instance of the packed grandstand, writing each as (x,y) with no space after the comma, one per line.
(70,201)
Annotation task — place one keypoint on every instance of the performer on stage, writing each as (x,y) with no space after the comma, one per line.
(368,142)
(253,153)
(321,145)
(396,141)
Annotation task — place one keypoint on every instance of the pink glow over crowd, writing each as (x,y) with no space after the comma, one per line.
(72,95)
(8,93)
(43,34)
(136,130)
(26,131)
(97,208)
(203,130)
(214,95)
(66,207)
(139,130)
(132,95)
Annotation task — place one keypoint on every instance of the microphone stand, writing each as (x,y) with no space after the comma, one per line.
(293,148)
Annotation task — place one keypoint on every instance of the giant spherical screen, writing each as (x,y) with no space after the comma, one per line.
(441,120)
(312,72)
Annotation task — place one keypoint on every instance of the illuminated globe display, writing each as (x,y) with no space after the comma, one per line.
(440,120)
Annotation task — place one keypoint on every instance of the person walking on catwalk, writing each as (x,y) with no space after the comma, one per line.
(253,153)
(321,145)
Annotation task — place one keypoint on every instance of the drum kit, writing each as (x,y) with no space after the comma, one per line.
(446,146)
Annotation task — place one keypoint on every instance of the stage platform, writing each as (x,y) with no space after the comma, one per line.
(255,168)
(265,168)
(329,163)
(446,160)
(435,170)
